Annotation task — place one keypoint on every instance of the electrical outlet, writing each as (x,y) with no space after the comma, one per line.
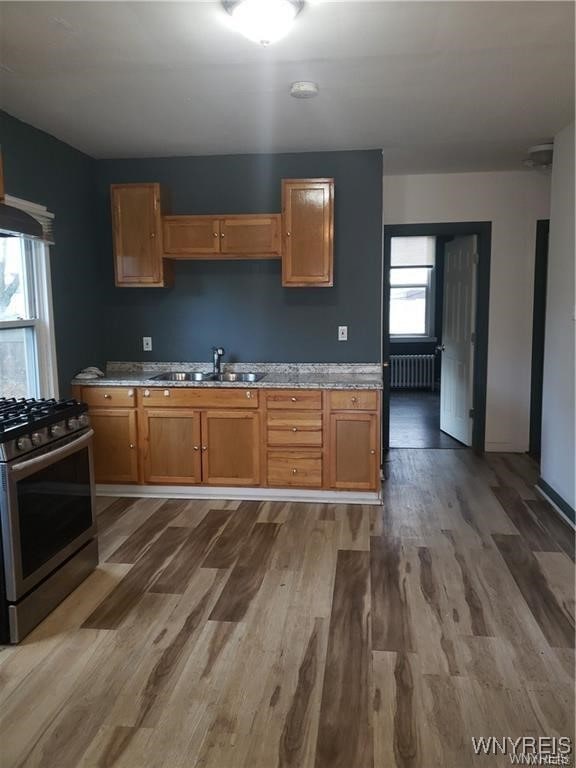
(342,333)
(147,343)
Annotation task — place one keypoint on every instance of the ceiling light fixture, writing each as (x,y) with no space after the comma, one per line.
(263,21)
(540,156)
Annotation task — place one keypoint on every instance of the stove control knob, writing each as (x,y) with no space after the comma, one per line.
(36,438)
(73,423)
(24,444)
(57,430)
(83,420)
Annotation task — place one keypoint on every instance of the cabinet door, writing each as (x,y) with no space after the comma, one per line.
(354,451)
(137,234)
(115,445)
(230,448)
(171,446)
(190,236)
(250,236)
(308,213)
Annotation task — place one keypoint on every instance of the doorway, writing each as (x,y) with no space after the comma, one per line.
(435,334)
(538,331)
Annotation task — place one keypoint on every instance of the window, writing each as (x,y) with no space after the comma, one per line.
(411,286)
(27,364)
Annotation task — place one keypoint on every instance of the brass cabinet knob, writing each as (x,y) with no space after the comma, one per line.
(248,394)
(293,399)
(294,471)
(107,397)
(152,235)
(196,447)
(354,399)
(372,451)
(130,393)
(288,234)
(132,445)
(221,234)
(215,234)
(204,447)
(294,429)
(166,393)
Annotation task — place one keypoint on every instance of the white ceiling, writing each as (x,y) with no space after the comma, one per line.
(440,86)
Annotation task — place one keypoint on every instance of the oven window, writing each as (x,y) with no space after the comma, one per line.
(54,508)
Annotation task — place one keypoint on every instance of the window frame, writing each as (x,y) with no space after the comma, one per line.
(38,287)
(429,305)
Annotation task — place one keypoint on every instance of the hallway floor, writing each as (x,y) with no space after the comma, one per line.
(283,635)
(415,421)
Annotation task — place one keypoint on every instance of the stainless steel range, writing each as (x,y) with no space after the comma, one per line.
(47,512)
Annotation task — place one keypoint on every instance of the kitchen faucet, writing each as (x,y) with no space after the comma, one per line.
(217,353)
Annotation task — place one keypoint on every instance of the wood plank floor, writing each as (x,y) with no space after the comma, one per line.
(247,635)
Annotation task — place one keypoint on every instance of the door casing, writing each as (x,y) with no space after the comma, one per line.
(483,231)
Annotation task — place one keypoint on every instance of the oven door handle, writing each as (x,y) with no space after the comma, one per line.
(51,456)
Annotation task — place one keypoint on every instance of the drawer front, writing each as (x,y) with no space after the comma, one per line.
(292,468)
(109,397)
(292,428)
(167,397)
(353,400)
(298,399)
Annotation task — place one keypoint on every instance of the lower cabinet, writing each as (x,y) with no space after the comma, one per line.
(353,451)
(115,445)
(230,448)
(171,446)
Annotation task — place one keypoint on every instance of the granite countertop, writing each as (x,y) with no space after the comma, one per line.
(276,375)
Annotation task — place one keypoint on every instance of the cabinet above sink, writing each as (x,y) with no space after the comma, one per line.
(146,239)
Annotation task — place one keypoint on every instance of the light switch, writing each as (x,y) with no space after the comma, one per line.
(342,333)
(147,343)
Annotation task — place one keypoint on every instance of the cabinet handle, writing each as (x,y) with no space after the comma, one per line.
(372,451)
(248,395)
(221,234)
(294,429)
(294,471)
(215,234)
(130,393)
(293,399)
(146,393)
(354,399)
(107,397)
(132,445)
(166,393)
(288,234)
(195,447)
(152,235)
(204,447)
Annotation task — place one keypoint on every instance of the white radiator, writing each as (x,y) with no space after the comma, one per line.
(411,371)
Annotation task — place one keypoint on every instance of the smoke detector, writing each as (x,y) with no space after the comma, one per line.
(540,156)
(304,89)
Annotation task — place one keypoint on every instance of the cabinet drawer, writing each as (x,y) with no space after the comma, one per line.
(299,399)
(167,397)
(291,428)
(353,400)
(295,468)
(109,397)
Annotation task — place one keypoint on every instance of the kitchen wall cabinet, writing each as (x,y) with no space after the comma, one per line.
(137,236)
(308,233)
(171,446)
(222,237)
(115,445)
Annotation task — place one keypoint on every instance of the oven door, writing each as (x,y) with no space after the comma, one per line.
(47,511)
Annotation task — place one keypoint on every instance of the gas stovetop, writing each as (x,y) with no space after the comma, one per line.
(28,424)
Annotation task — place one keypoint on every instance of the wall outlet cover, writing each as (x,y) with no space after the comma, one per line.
(147,343)
(342,333)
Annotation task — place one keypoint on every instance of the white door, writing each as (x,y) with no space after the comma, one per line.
(459,317)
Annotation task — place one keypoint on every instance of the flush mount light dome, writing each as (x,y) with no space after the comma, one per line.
(304,89)
(263,21)
(540,156)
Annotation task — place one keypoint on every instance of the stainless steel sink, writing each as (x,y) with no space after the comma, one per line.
(240,377)
(183,376)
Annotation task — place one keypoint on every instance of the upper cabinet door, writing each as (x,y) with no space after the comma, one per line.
(191,236)
(308,224)
(136,219)
(257,235)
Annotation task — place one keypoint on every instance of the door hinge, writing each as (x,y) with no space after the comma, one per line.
(471,413)
(473,338)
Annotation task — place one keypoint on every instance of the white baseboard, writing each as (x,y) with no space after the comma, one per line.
(240,494)
(555,506)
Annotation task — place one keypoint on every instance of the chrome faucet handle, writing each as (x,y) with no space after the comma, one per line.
(218,350)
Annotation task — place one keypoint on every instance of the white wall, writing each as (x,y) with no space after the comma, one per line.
(558,416)
(513,201)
